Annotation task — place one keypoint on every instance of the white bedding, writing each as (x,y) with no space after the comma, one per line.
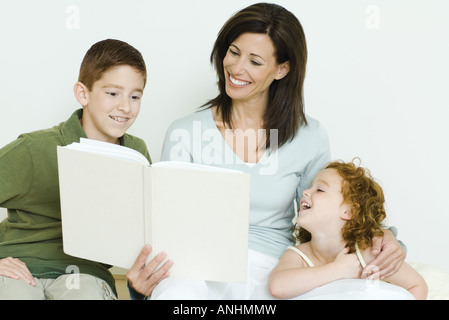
(357,289)
(437,280)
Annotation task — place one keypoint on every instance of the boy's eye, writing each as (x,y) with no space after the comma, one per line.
(135,97)
(112,93)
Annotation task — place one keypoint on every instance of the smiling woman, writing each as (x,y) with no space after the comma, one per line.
(260,58)
(250,69)
(263,50)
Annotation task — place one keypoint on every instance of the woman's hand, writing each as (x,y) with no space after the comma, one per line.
(15,269)
(390,256)
(143,278)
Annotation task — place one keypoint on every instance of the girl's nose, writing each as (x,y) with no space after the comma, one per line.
(306,192)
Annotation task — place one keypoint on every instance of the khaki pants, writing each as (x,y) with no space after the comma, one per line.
(66,287)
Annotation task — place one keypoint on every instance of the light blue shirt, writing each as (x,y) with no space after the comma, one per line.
(276,179)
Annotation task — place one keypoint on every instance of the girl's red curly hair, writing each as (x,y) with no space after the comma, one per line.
(366,199)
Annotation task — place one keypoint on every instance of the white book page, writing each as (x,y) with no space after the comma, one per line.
(200,219)
(109,149)
(101,207)
(190,165)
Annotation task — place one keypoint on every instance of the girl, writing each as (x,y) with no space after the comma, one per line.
(338,217)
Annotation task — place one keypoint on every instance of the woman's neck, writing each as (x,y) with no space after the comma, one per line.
(248,114)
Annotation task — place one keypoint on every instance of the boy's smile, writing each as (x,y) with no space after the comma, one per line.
(113,104)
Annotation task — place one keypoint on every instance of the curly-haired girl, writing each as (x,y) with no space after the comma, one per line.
(338,217)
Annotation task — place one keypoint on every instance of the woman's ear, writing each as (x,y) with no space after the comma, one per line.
(81,93)
(284,69)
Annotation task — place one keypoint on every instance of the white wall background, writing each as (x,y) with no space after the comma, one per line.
(377,79)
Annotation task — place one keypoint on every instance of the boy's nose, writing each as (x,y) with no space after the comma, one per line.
(124,105)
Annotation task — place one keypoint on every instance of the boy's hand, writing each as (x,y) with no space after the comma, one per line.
(143,278)
(390,255)
(16,269)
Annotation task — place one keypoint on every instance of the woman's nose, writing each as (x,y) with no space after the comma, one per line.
(238,67)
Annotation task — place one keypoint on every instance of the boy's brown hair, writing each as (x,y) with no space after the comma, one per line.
(107,54)
(366,199)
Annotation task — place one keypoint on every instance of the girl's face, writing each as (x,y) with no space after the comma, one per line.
(250,67)
(322,203)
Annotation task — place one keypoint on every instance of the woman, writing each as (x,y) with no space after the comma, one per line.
(257,125)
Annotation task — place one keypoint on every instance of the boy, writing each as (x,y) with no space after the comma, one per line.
(32,262)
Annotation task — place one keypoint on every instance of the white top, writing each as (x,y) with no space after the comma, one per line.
(276,179)
(310,263)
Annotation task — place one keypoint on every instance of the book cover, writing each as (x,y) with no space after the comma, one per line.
(113,202)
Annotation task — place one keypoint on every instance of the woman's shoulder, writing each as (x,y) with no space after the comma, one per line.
(313,134)
(313,125)
(202,115)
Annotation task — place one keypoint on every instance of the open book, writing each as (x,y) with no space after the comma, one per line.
(113,202)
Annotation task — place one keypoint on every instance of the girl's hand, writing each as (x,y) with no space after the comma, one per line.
(347,264)
(390,256)
(16,269)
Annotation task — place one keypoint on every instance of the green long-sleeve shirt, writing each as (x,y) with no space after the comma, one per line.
(29,189)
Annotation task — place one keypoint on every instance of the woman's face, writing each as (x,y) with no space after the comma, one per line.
(250,67)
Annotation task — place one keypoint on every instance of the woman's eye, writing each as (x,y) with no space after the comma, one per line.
(255,63)
(234,53)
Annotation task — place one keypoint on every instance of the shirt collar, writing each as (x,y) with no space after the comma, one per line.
(71,129)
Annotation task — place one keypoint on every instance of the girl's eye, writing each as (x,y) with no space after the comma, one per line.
(320,190)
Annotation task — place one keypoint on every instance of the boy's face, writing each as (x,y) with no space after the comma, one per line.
(112,105)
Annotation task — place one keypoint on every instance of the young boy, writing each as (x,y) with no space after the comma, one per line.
(32,262)
(338,217)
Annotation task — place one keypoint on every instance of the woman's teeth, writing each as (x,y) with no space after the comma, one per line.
(238,82)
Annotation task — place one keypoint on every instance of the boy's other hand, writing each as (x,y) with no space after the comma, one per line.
(15,269)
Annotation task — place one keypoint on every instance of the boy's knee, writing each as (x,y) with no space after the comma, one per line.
(11,289)
(80,287)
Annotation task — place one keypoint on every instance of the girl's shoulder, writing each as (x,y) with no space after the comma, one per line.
(300,254)
(367,256)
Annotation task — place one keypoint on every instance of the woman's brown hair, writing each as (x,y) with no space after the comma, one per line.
(285,110)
